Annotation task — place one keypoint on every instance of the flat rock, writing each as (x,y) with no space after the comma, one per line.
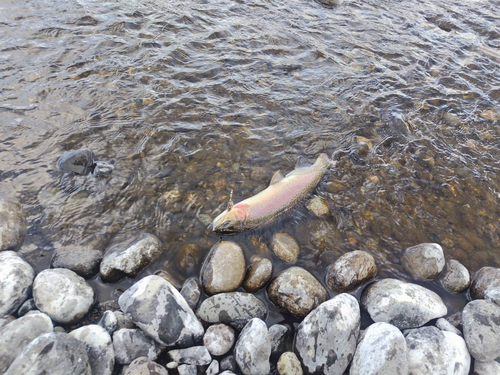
(401,304)
(130,344)
(145,366)
(99,348)
(486,368)
(487,278)
(253,348)
(285,247)
(296,291)
(158,309)
(431,351)
(481,323)
(235,308)
(289,364)
(16,279)
(219,339)
(62,295)
(191,291)
(12,223)
(16,336)
(84,262)
(129,258)
(382,351)
(424,261)
(258,274)
(54,354)
(350,271)
(223,269)
(455,277)
(326,339)
(187,370)
(195,355)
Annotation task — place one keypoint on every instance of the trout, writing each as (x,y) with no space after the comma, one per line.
(282,194)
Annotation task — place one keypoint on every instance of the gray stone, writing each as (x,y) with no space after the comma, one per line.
(493,295)
(455,320)
(326,339)
(296,291)
(157,308)
(485,279)
(130,344)
(486,368)
(402,304)
(187,370)
(223,269)
(213,369)
(129,258)
(234,308)
(481,322)
(431,351)
(84,262)
(16,335)
(445,325)
(258,274)
(219,339)
(16,279)
(455,277)
(191,291)
(27,306)
(382,351)
(228,363)
(424,261)
(6,319)
(99,348)
(109,322)
(289,364)
(54,354)
(277,335)
(195,355)
(285,247)
(350,271)
(253,348)
(144,366)
(12,224)
(318,206)
(123,321)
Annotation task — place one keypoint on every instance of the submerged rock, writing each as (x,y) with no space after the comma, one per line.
(130,258)
(258,274)
(485,279)
(234,308)
(285,247)
(424,261)
(297,291)
(84,262)
(219,339)
(326,339)
(62,295)
(80,162)
(158,309)
(318,206)
(195,355)
(130,344)
(12,223)
(224,268)
(253,349)
(455,278)
(289,364)
(401,304)
(99,348)
(16,279)
(191,291)
(144,366)
(350,271)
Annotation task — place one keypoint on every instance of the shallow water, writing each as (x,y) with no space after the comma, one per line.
(191,99)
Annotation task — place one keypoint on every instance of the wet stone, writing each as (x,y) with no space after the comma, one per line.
(62,295)
(156,307)
(187,370)
(431,351)
(401,304)
(481,322)
(485,279)
(195,355)
(170,278)
(123,321)
(381,351)
(228,363)
(219,339)
(80,162)
(318,206)
(326,339)
(12,223)
(144,366)
(109,322)
(99,348)
(258,274)
(224,268)
(234,308)
(27,306)
(350,271)
(191,291)
(129,258)
(455,277)
(253,348)
(278,333)
(129,344)
(54,354)
(424,261)
(285,247)
(16,279)
(188,258)
(84,262)
(17,335)
(289,364)
(213,369)
(486,368)
(297,291)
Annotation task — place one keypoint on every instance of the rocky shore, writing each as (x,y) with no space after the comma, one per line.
(217,325)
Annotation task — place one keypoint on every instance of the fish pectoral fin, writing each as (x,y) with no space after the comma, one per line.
(277,177)
(302,162)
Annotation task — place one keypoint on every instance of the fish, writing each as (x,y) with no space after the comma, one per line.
(282,194)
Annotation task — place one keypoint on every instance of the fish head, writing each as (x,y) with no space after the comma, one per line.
(230,221)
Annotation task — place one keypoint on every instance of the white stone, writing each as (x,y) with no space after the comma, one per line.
(99,348)
(16,279)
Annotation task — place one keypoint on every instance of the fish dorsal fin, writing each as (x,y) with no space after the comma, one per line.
(230,204)
(302,162)
(277,177)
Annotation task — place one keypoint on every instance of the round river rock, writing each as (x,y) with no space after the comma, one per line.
(258,274)
(219,339)
(16,278)
(456,277)
(12,223)
(285,247)
(485,279)
(350,271)
(424,261)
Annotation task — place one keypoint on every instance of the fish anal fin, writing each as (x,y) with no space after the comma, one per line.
(277,177)
(302,162)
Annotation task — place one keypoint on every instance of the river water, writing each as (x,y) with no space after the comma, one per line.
(191,99)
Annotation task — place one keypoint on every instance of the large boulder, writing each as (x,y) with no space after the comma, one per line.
(350,271)
(253,348)
(99,348)
(158,309)
(62,295)
(424,261)
(402,304)
(12,223)
(486,279)
(326,339)
(16,279)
